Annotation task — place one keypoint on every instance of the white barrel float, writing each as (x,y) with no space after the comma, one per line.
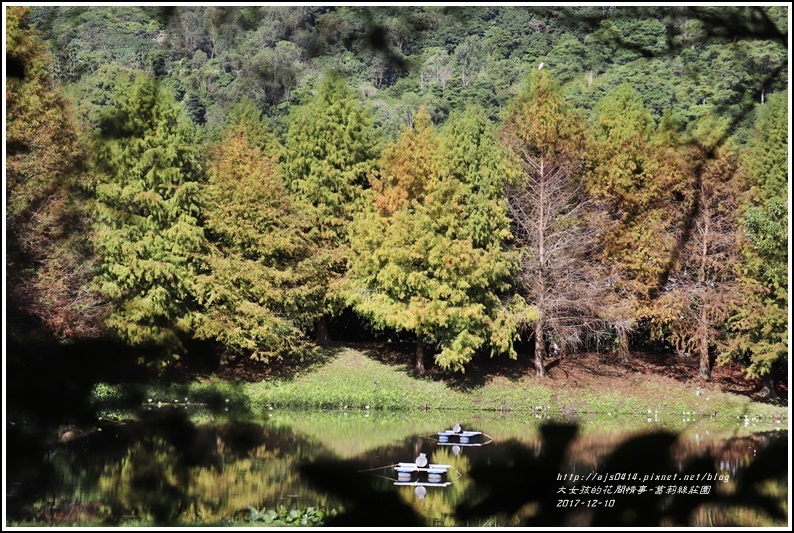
(464,438)
(411,473)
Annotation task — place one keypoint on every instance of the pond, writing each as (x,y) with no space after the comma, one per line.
(178,465)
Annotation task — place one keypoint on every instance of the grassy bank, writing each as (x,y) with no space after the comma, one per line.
(352,379)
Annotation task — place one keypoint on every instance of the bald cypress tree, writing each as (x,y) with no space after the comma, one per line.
(641,176)
(759,324)
(692,307)
(148,235)
(330,149)
(552,221)
(49,261)
(427,254)
(257,287)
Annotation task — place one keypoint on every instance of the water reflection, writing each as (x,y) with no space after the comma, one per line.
(164,469)
(167,469)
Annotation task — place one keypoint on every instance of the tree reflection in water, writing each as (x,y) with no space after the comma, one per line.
(168,470)
(164,470)
(521,485)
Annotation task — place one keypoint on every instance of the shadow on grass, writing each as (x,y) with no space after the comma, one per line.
(482,370)
(53,385)
(729,377)
(247,370)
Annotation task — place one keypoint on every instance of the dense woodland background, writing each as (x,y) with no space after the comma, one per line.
(482,181)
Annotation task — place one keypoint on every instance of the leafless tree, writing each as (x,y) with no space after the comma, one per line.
(555,225)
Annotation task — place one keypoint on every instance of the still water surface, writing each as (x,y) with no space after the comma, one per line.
(180,466)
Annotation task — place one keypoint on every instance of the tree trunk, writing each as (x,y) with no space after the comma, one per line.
(420,356)
(541,237)
(623,345)
(539,368)
(323,334)
(768,387)
(705,363)
(705,366)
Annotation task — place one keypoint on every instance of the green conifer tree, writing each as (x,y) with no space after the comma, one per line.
(759,324)
(330,149)
(148,234)
(419,262)
(255,288)
(766,159)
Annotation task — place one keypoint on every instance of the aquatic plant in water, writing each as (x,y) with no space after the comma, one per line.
(290,517)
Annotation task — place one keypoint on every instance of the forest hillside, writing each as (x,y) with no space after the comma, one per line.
(481,181)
